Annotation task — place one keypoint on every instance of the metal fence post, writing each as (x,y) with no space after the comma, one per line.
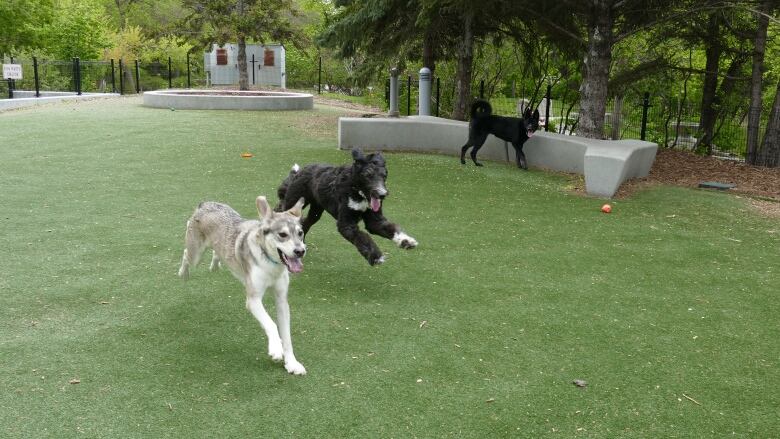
(37,81)
(78,76)
(11,84)
(137,79)
(645,106)
(170,83)
(408,94)
(547,108)
(121,78)
(188,70)
(319,77)
(438,95)
(113,77)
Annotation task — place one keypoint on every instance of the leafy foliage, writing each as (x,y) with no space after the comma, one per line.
(79,29)
(22,23)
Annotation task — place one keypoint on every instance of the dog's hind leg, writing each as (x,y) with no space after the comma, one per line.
(463,152)
(314,214)
(365,245)
(194,244)
(214,261)
(377,224)
(255,288)
(283,319)
(478,142)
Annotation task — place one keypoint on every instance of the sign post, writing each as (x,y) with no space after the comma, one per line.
(12,72)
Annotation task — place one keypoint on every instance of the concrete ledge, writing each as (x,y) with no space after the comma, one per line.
(606,164)
(27,98)
(228,100)
(416,133)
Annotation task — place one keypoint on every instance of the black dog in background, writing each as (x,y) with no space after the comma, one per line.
(510,129)
(349,193)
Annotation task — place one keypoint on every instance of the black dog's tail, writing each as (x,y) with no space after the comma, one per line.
(282,191)
(481,109)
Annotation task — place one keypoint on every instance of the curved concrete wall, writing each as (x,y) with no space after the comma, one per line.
(416,133)
(235,100)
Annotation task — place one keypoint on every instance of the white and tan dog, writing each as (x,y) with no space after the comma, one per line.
(260,253)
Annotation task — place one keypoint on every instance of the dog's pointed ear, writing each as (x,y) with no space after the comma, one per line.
(263,208)
(527,113)
(297,210)
(377,158)
(358,156)
(536,114)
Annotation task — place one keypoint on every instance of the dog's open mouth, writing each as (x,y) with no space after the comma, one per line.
(376,203)
(293,264)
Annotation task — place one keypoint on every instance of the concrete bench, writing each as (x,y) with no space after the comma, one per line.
(606,164)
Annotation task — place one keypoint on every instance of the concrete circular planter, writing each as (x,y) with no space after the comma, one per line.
(228,100)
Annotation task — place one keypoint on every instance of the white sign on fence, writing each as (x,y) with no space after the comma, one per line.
(12,71)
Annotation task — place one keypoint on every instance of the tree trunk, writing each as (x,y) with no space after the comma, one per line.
(770,148)
(593,91)
(243,76)
(754,115)
(429,57)
(709,95)
(464,68)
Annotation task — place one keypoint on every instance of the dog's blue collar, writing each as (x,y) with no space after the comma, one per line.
(268,258)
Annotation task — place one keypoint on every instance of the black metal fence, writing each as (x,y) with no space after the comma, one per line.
(43,76)
(668,122)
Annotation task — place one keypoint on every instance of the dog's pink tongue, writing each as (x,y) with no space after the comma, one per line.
(375,204)
(294,265)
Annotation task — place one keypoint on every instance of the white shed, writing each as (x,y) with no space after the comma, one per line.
(265,65)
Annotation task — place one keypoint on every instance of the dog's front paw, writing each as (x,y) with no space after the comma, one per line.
(378,259)
(404,241)
(295,367)
(478,164)
(184,272)
(275,350)
(462,161)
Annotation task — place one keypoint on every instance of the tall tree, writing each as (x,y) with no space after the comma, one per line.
(220,21)
(425,30)
(770,147)
(596,26)
(756,81)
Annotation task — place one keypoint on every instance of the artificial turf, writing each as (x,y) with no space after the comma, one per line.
(667,307)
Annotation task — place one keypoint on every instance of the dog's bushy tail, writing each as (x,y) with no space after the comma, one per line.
(282,191)
(481,108)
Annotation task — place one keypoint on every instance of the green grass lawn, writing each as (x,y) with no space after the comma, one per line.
(518,287)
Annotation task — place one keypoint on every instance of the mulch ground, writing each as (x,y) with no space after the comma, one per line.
(683,168)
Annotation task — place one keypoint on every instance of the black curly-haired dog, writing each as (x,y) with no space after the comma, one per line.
(511,129)
(349,193)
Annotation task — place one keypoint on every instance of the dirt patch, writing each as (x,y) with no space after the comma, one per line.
(357,108)
(682,168)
